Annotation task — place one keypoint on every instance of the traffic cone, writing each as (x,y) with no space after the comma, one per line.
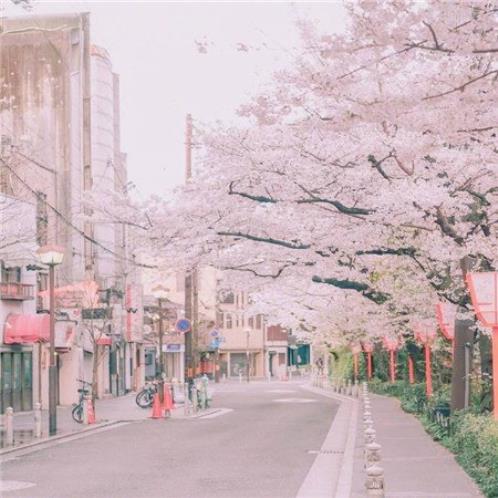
(167,400)
(157,411)
(90,412)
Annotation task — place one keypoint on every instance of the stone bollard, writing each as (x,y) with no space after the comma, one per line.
(375,481)
(186,402)
(372,454)
(38,420)
(85,410)
(9,426)
(369,435)
(194,399)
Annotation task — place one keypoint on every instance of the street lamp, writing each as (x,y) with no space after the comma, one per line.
(483,287)
(368,347)
(446,314)
(391,344)
(52,256)
(248,331)
(425,334)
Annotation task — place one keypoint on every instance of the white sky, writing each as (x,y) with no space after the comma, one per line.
(163,75)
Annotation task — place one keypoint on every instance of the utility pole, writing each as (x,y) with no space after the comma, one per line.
(161,355)
(191,291)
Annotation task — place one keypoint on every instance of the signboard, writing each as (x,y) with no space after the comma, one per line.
(182,326)
(216,342)
(96,313)
(173,348)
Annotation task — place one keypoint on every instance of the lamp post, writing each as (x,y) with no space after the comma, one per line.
(52,256)
(368,348)
(446,314)
(248,331)
(425,335)
(483,287)
(391,344)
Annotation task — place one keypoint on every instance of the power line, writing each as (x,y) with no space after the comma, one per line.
(70,224)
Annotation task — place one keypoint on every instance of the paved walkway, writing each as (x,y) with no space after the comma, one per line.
(414,465)
(122,408)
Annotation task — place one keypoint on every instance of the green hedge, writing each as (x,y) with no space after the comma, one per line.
(474,440)
(472,437)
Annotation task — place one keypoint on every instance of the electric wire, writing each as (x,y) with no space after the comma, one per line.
(70,224)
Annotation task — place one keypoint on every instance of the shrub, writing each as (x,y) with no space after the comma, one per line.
(474,440)
(472,437)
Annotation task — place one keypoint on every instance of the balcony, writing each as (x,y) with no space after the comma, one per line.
(16,292)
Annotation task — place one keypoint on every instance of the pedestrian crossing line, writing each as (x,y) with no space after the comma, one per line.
(218,413)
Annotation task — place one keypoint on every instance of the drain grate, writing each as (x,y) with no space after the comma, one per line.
(325,452)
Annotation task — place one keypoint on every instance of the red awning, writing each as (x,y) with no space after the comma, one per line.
(104,340)
(26,329)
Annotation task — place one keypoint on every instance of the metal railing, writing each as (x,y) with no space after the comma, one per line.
(16,291)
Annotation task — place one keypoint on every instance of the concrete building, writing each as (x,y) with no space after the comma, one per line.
(59,127)
(243,337)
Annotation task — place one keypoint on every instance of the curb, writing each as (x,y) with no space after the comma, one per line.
(341,439)
(49,441)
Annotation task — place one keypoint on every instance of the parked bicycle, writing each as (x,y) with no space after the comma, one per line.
(145,397)
(78,408)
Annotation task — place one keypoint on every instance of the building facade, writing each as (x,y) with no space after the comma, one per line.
(61,154)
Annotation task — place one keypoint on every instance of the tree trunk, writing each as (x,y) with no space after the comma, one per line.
(464,333)
(95,372)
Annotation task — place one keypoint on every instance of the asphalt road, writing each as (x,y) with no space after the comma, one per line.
(260,449)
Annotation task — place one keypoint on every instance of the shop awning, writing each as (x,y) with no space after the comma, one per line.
(104,340)
(26,329)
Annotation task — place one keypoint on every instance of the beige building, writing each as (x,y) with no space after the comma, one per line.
(59,127)
(243,337)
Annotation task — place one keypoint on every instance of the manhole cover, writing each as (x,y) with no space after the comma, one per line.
(325,452)
(15,485)
(294,400)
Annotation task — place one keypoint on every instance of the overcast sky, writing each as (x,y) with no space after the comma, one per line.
(180,57)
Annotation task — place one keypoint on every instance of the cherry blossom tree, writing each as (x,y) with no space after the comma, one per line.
(366,169)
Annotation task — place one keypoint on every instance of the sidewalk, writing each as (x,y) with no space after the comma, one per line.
(120,409)
(414,465)
(111,409)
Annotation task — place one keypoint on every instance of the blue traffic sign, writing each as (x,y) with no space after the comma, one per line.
(183,326)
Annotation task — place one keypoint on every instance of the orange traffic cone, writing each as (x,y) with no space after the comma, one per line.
(167,400)
(90,412)
(157,411)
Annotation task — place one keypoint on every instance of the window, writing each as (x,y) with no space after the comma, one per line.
(226,297)
(219,319)
(251,322)
(228,323)
(236,321)
(11,275)
(258,321)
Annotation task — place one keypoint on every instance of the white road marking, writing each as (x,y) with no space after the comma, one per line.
(218,413)
(324,479)
(294,400)
(15,485)
(281,391)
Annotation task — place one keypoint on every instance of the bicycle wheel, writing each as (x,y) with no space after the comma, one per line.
(77,414)
(144,399)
